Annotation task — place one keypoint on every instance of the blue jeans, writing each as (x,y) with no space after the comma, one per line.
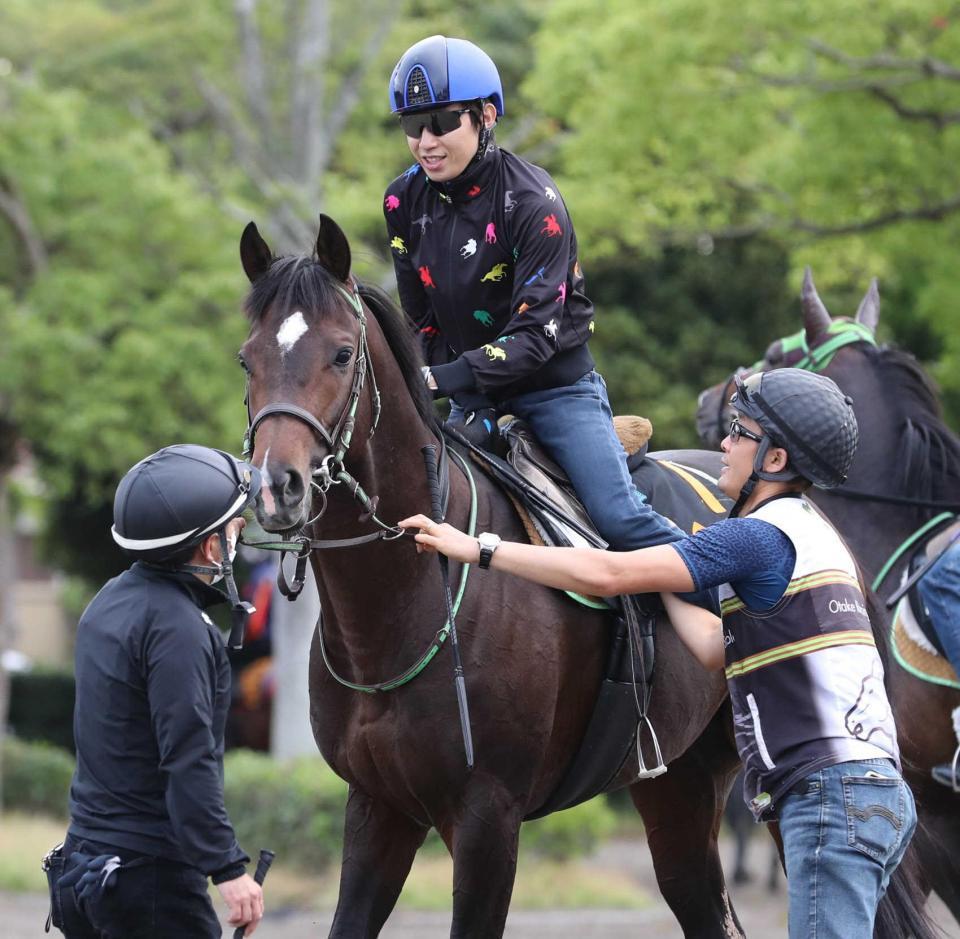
(940,591)
(842,839)
(575,425)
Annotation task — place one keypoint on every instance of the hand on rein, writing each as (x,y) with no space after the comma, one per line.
(443,538)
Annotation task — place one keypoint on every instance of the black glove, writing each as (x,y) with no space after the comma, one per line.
(90,877)
(480,428)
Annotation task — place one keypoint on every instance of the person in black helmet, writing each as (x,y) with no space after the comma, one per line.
(813,724)
(147,819)
(488,269)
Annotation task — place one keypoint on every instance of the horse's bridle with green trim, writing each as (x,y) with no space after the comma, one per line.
(797,354)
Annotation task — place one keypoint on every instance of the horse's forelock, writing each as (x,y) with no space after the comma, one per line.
(294,282)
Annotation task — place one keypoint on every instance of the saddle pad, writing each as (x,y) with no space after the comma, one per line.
(913,652)
(688,497)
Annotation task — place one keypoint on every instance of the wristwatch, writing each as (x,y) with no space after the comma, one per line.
(489,543)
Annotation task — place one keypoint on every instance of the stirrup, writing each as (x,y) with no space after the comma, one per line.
(949,773)
(652,772)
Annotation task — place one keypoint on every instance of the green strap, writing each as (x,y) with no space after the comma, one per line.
(440,637)
(913,539)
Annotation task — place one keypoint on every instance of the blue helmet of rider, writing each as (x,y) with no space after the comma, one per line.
(438,70)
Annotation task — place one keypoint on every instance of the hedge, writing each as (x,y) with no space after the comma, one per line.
(41,706)
(295,808)
(36,777)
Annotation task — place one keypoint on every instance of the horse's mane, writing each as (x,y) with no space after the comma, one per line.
(401,338)
(299,282)
(930,451)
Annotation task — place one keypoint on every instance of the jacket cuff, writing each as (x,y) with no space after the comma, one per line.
(453,377)
(229,873)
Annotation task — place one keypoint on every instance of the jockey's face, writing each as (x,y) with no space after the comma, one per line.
(738,457)
(445,157)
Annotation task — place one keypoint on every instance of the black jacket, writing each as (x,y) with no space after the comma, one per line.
(153,689)
(487,268)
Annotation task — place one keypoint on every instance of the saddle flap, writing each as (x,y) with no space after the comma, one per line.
(530,460)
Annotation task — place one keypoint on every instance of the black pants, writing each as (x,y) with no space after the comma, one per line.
(153,900)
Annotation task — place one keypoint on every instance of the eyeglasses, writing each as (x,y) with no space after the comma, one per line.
(439,122)
(737,430)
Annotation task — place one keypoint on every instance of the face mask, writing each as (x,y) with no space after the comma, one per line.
(232,552)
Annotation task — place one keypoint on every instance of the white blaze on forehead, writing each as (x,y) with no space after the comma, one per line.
(291,329)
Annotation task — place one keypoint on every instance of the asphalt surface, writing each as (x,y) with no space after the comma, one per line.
(762,912)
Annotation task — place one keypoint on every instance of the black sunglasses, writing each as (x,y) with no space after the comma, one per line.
(438,122)
(737,430)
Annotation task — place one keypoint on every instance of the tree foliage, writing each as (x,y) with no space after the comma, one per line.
(707,152)
(832,127)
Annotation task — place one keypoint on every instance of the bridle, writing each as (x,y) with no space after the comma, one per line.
(797,354)
(331,471)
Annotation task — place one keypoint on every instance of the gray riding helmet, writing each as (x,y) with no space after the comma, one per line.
(807,415)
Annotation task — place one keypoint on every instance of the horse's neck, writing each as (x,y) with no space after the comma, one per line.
(383,595)
(872,529)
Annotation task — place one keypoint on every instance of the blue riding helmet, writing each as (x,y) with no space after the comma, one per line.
(438,70)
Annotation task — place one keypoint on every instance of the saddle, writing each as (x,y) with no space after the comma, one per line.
(913,637)
(553,515)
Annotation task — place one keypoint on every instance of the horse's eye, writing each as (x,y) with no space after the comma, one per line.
(243,363)
(343,357)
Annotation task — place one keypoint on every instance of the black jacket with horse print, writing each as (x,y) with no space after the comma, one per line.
(487,269)
(153,689)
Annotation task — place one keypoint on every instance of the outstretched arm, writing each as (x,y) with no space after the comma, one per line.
(591,571)
(586,570)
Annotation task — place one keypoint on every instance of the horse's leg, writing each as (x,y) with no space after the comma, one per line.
(379,845)
(681,811)
(483,842)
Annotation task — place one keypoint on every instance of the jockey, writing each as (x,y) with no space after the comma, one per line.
(487,268)
(940,591)
(813,724)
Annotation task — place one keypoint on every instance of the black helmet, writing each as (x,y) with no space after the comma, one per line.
(438,70)
(806,414)
(177,496)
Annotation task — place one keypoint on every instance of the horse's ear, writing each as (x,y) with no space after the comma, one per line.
(816,319)
(868,313)
(255,255)
(333,249)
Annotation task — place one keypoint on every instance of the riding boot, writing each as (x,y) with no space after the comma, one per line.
(948,774)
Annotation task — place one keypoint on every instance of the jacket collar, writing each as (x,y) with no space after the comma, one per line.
(204,595)
(478,175)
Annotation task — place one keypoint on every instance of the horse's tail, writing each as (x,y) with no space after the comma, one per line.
(902,912)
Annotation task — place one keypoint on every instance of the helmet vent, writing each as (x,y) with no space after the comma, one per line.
(418,88)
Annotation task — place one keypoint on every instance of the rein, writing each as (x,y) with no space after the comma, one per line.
(438,639)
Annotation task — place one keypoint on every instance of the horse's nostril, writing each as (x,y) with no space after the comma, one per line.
(291,488)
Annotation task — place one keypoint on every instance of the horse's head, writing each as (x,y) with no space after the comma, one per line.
(306,360)
(811,347)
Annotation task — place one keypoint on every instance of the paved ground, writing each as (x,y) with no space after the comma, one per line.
(762,913)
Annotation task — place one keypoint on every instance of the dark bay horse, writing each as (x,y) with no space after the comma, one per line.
(338,373)
(906,473)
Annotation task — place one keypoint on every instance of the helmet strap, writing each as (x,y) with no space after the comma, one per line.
(239,609)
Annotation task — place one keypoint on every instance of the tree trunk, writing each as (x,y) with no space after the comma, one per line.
(8,624)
